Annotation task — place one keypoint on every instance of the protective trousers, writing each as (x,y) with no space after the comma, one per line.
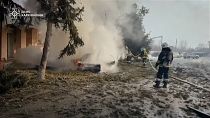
(162,72)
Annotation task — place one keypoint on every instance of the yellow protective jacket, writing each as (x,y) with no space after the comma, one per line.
(144,54)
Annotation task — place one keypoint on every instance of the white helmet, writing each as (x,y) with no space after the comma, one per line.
(164,45)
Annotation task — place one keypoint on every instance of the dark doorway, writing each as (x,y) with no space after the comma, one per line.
(10,44)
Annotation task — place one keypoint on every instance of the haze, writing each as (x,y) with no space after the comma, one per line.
(186,20)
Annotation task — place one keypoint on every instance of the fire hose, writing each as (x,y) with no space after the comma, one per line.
(198,112)
(175,78)
(179,79)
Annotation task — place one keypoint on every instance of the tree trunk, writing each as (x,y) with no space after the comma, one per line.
(43,63)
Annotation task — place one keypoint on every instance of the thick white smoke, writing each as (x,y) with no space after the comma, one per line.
(102,38)
(100,31)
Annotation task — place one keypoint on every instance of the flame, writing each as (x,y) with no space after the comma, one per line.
(78,62)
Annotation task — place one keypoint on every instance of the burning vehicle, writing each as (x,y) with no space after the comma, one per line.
(95,68)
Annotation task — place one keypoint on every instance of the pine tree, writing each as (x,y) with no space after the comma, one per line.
(61,14)
(6,6)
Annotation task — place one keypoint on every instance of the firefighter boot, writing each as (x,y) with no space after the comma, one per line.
(165,84)
(157,85)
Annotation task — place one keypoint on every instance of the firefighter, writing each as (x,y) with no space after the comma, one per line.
(165,58)
(144,56)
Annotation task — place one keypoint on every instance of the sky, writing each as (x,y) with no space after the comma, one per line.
(184,20)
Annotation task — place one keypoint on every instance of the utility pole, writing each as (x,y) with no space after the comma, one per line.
(185,44)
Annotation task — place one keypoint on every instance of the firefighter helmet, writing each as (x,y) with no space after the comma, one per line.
(164,45)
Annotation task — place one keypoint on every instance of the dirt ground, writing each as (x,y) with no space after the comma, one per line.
(126,94)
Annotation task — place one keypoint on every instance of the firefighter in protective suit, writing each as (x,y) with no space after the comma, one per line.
(165,58)
(144,56)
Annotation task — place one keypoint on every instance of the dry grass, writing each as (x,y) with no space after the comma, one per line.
(10,79)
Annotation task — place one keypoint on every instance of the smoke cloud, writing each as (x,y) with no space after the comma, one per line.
(99,30)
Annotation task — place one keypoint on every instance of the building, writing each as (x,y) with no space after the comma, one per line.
(13,38)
